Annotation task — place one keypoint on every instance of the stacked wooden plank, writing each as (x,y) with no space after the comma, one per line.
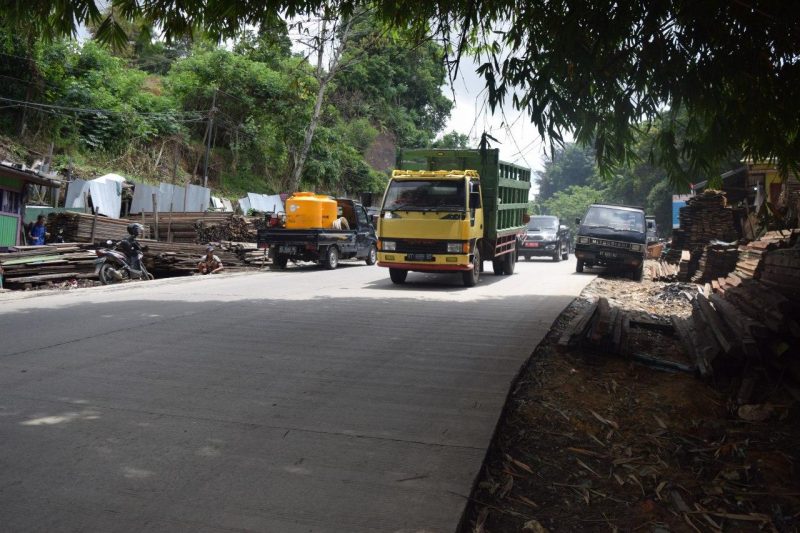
(247,252)
(180,227)
(181,259)
(748,327)
(704,219)
(781,271)
(661,271)
(80,227)
(717,260)
(233,228)
(684,266)
(30,265)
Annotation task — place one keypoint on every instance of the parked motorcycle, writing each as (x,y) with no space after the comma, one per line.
(113,266)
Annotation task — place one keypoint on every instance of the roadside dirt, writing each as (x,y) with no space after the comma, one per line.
(593,442)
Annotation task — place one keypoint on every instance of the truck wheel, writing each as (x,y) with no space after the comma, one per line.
(509,262)
(372,255)
(497,267)
(579,266)
(638,274)
(331,258)
(471,277)
(280,262)
(398,275)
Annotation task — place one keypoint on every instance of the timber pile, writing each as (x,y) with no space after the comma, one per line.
(77,227)
(28,265)
(247,252)
(180,259)
(661,271)
(748,323)
(704,219)
(234,228)
(718,260)
(181,227)
(607,329)
(684,266)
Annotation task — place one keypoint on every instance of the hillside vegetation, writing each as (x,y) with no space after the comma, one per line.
(144,110)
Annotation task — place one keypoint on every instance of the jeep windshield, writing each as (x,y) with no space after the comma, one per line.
(425,195)
(547,224)
(614,219)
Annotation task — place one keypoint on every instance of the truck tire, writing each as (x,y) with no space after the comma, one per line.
(470,277)
(638,274)
(372,255)
(509,262)
(398,275)
(579,266)
(331,258)
(497,267)
(280,262)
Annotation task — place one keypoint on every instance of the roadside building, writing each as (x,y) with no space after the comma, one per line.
(14,183)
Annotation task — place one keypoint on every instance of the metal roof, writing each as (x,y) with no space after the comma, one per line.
(28,176)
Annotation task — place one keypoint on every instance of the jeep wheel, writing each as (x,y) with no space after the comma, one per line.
(579,266)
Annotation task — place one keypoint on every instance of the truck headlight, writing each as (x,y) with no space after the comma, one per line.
(636,247)
(388,246)
(583,240)
(453,247)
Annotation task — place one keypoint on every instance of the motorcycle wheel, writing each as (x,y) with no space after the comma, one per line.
(105,275)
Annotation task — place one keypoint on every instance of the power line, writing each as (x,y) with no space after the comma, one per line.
(40,105)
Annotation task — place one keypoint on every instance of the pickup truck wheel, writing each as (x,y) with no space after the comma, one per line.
(579,266)
(398,275)
(509,262)
(471,277)
(280,262)
(497,267)
(372,255)
(332,258)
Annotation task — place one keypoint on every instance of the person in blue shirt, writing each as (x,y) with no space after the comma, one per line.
(38,232)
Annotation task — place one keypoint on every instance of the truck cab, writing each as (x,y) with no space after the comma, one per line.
(613,236)
(430,221)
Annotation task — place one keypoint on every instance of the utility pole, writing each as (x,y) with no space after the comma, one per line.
(208,140)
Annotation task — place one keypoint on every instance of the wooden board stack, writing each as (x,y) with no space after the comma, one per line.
(234,228)
(29,265)
(748,325)
(77,227)
(661,271)
(717,261)
(180,227)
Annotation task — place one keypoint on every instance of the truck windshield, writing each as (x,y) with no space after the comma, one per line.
(425,195)
(614,219)
(543,223)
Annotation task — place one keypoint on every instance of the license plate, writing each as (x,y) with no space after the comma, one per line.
(609,254)
(419,257)
(287,249)
(532,244)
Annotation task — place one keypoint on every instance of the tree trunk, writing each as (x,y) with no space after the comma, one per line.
(302,156)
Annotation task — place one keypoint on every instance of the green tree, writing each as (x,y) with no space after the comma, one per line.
(569,165)
(572,203)
(452,139)
(596,69)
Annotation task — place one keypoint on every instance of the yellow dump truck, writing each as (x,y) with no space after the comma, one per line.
(451,210)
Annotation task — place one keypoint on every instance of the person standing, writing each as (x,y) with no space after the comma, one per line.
(38,232)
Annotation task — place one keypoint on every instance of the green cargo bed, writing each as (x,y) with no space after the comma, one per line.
(505,186)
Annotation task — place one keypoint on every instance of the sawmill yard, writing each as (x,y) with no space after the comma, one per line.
(602,437)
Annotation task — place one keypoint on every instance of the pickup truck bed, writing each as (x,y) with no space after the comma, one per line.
(325,246)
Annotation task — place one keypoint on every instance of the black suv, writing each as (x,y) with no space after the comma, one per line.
(545,237)
(613,236)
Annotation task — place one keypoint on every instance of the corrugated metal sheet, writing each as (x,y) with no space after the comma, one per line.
(9,229)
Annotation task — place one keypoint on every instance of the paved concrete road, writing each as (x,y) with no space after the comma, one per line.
(303,400)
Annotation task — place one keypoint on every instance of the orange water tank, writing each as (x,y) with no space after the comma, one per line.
(306,210)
